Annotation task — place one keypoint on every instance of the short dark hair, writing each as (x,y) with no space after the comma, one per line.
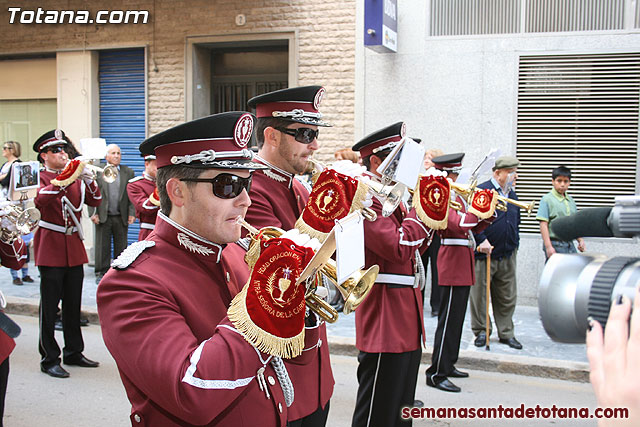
(174,171)
(264,123)
(366,161)
(561,171)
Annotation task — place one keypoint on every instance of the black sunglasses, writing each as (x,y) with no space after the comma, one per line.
(225,185)
(303,135)
(56,149)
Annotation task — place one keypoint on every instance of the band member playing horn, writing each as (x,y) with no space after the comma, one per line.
(143,194)
(59,251)
(287,136)
(456,273)
(389,322)
(181,360)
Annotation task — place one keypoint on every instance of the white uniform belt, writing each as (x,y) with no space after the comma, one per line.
(58,228)
(455,242)
(147,225)
(395,279)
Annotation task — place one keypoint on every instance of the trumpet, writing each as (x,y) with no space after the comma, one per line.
(503,201)
(17,221)
(354,289)
(109,172)
(389,195)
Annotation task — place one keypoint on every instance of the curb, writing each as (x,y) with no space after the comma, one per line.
(27,307)
(508,364)
(478,360)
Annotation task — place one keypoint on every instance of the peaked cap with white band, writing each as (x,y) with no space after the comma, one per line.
(219,141)
(49,139)
(384,139)
(296,104)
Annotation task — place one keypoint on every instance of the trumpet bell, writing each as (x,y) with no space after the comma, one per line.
(110,173)
(28,220)
(390,195)
(358,287)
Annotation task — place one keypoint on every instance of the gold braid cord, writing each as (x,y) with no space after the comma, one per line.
(287,348)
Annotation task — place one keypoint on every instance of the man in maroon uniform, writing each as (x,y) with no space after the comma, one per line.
(286,132)
(12,256)
(139,190)
(389,322)
(59,251)
(456,275)
(163,304)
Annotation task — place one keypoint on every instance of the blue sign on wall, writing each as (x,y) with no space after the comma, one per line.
(381,25)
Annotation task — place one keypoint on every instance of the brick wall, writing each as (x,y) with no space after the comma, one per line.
(325,43)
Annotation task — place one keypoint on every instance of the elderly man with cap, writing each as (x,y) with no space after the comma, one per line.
(389,322)
(144,196)
(286,133)
(163,304)
(501,240)
(59,251)
(456,276)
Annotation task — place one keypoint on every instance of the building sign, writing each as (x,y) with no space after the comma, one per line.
(381,25)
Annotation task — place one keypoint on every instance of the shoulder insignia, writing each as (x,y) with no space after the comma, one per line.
(129,255)
(137,178)
(274,176)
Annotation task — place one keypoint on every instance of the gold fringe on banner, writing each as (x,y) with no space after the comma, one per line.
(429,222)
(73,177)
(492,209)
(287,348)
(356,205)
(251,257)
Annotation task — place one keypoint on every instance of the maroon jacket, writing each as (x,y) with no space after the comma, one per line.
(277,199)
(12,256)
(139,189)
(181,361)
(52,246)
(390,319)
(455,260)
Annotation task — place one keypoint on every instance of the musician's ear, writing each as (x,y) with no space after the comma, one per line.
(177,191)
(375,162)
(271,137)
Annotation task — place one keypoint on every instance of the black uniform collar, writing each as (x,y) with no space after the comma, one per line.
(187,240)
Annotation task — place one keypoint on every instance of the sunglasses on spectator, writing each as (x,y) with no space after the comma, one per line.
(225,185)
(303,135)
(56,149)
(6,147)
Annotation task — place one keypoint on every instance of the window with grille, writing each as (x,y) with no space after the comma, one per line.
(476,17)
(580,111)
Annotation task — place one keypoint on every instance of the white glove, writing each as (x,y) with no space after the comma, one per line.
(87,176)
(347,167)
(435,172)
(302,239)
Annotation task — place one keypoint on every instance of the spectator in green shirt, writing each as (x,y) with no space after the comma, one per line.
(556,204)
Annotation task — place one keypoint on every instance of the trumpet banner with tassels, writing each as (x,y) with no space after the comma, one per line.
(483,203)
(270,309)
(431,201)
(69,174)
(334,196)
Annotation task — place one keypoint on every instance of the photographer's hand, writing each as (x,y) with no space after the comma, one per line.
(615,371)
(581,245)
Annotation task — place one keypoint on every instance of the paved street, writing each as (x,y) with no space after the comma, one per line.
(95,397)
